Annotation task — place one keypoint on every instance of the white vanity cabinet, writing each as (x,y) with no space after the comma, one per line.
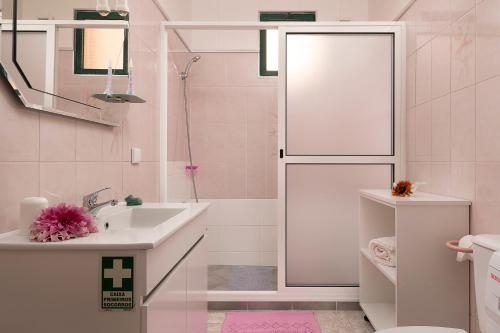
(179,303)
(70,286)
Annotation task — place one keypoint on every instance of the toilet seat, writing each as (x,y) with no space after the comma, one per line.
(421,329)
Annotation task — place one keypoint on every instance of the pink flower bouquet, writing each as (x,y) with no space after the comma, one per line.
(62,222)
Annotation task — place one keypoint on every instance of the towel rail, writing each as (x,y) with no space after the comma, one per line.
(453,245)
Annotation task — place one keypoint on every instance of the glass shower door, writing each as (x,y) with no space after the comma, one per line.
(338,136)
(339,94)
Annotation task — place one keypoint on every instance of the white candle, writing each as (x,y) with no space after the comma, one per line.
(30,210)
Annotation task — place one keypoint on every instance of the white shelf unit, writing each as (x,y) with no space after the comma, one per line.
(428,287)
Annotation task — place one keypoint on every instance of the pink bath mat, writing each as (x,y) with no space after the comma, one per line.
(270,322)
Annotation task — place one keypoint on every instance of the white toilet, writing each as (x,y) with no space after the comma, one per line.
(487,283)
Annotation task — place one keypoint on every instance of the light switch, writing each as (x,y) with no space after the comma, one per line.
(136,157)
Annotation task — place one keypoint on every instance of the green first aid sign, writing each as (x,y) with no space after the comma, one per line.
(117,283)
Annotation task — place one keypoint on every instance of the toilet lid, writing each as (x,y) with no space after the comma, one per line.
(421,329)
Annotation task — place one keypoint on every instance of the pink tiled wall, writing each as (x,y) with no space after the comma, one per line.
(177,141)
(234,126)
(178,182)
(63,159)
(178,57)
(452,96)
(453,104)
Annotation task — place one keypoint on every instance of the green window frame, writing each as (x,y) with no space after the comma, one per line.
(275,17)
(79,43)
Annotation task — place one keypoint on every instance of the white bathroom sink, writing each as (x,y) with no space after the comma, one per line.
(121,228)
(137,218)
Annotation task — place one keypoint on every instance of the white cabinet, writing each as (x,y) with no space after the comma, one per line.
(428,287)
(178,304)
(168,281)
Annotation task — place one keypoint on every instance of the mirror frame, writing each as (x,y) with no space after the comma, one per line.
(66,24)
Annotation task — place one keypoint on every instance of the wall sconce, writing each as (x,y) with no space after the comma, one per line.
(121,7)
(102,7)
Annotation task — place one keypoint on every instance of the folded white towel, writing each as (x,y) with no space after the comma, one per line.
(383,250)
(465,242)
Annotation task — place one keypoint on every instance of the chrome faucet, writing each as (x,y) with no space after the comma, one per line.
(90,202)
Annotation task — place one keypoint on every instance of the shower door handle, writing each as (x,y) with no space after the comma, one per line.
(281,153)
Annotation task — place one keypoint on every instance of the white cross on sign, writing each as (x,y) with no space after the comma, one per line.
(117,273)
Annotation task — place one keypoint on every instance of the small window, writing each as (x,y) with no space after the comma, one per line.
(96,48)
(269,38)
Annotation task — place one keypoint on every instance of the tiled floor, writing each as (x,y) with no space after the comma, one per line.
(246,278)
(329,321)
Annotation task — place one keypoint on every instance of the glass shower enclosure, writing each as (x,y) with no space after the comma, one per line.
(340,124)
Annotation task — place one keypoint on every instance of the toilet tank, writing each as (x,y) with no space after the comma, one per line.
(484,247)
(492,296)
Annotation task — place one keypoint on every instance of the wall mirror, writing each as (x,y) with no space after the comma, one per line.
(56,55)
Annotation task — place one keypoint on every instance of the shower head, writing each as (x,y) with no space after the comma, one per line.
(185,74)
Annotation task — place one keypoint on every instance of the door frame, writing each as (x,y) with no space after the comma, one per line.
(340,293)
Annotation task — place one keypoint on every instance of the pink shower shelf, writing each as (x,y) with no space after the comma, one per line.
(190,168)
